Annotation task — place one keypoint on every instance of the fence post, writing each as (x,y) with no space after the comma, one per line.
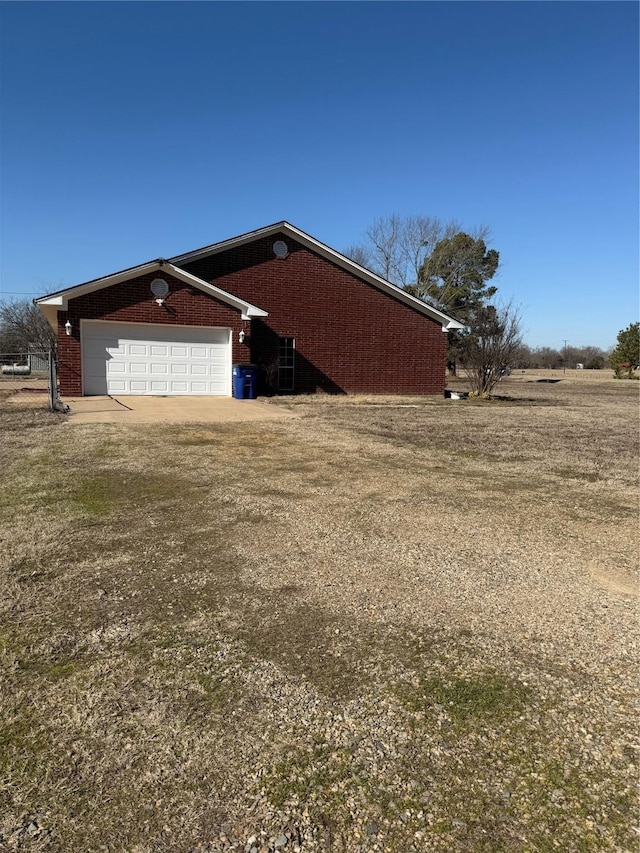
(53,383)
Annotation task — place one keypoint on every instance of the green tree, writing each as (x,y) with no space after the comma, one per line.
(453,278)
(625,359)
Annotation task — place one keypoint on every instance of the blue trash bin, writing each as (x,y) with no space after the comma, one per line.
(245,381)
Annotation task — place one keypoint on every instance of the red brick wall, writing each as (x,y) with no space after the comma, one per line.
(133,302)
(349,335)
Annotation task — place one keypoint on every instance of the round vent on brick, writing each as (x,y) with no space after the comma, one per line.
(159,288)
(280,249)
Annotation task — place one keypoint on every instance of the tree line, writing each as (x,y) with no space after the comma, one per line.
(550,358)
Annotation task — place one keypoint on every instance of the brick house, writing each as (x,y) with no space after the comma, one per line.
(309,317)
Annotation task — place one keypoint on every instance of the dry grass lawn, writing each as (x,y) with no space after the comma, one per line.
(386,625)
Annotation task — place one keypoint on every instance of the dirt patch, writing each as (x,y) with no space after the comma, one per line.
(616,582)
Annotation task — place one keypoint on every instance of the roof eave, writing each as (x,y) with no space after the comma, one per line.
(231,243)
(60,300)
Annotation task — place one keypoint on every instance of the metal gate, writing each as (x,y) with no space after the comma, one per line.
(30,375)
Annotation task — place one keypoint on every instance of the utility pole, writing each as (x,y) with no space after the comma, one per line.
(565,357)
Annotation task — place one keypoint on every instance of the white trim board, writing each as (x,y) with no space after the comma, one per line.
(59,301)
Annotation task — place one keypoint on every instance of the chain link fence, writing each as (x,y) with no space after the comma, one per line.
(29,376)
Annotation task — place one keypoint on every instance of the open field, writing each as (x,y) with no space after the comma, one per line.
(570,375)
(384,625)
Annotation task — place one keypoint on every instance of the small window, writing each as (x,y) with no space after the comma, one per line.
(286,363)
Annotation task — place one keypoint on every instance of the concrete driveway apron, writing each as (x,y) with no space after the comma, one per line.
(84,410)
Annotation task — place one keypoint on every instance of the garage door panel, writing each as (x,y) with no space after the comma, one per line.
(136,358)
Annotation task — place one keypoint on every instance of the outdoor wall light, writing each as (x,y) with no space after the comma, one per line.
(241,336)
(67,327)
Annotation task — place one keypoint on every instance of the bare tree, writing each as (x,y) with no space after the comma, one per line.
(384,245)
(492,342)
(396,247)
(417,239)
(359,254)
(23,327)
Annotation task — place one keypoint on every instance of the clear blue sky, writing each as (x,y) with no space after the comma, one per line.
(136,130)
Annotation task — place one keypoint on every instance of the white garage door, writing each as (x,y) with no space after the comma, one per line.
(143,358)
